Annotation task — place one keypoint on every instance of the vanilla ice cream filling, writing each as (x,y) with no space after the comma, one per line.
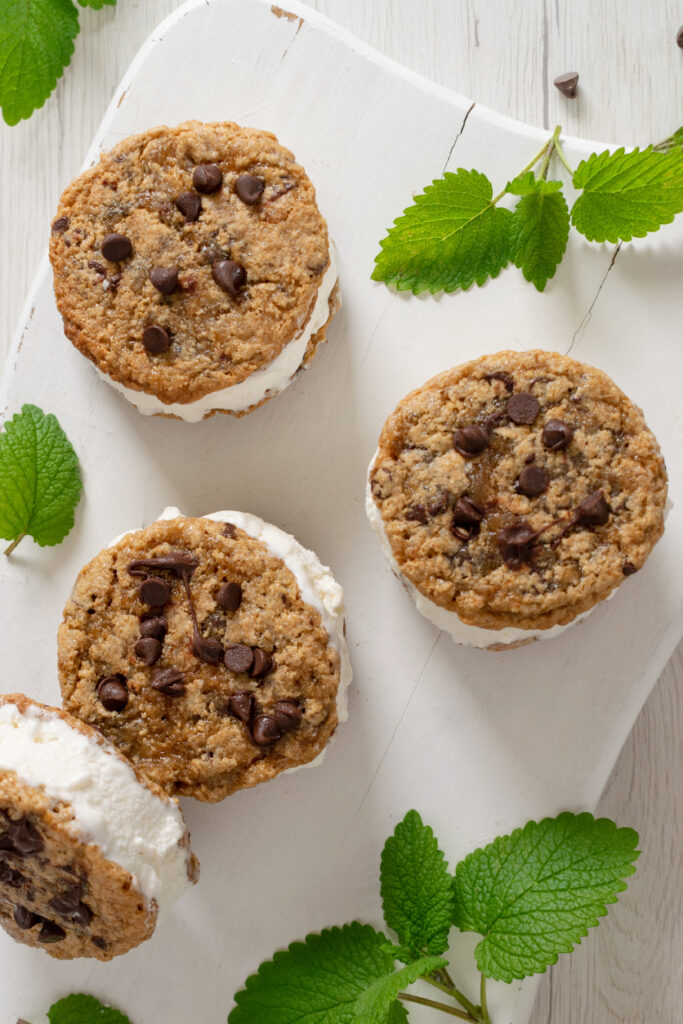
(450,622)
(112,810)
(265,383)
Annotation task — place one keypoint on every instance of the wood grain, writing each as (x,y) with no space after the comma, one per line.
(503,54)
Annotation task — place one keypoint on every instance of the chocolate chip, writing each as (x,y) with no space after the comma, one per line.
(532,481)
(556,435)
(287,714)
(164,279)
(263,664)
(98,941)
(68,902)
(515,544)
(25,918)
(229,597)
(265,730)
(6,844)
(679,37)
(154,626)
(148,649)
(470,441)
(155,591)
(502,376)
(238,657)
(229,530)
(170,681)
(467,517)
(113,693)
(593,510)
(180,562)
(190,205)
(60,225)
(116,248)
(207,649)
(241,705)
(156,339)
(207,178)
(439,505)
(417,514)
(51,932)
(523,407)
(25,837)
(82,915)
(567,83)
(628,569)
(249,188)
(229,276)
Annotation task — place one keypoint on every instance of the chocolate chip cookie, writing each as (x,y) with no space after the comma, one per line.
(193,267)
(89,851)
(514,493)
(210,651)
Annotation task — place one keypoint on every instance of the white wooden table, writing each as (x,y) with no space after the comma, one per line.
(503,54)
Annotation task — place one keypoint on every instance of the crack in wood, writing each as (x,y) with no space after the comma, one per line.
(584,323)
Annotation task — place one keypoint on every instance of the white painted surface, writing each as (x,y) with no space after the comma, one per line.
(475,48)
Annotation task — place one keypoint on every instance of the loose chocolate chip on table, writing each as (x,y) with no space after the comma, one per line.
(25,918)
(417,514)
(154,626)
(523,408)
(467,516)
(164,279)
(470,441)
(190,205)
(263,664)
(679,37)
(567,83)
(25,837)
(60,225)
(265,730)
(155,591)
(116,248)
(113,693)
(229,276)
(51,932)
(502,376)
(238,657)
(148,649)
(249,188)
(229,597)
(207,649)
(628,569)
(170,681)
(241,705)
(207,178)
(532,481)
(515,544)
(593,510)
(556,435)
(287,714)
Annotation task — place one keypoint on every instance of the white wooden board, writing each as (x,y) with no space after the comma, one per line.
(477,742)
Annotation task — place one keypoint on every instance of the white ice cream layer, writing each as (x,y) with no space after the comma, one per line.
(269,381)
(112,810)
(450,622)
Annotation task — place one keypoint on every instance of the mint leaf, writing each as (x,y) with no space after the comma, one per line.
(416,888)
(82,1009)
(625,195)
(451,237)
(340,976)
(97,4)
(36,44)
(40,483)
(398,1014)
(540,227)
(535,893)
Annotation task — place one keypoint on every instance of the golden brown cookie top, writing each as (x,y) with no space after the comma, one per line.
(188,257)
(189,645)
(519,489)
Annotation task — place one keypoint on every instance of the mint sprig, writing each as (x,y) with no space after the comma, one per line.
(36,44)
(40,482)
(83,1009)
(531,895)
(455,234)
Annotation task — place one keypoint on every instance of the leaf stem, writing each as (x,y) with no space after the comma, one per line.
(560,153)
(484,1005)
(529,166)
(10,549)
(450,988)
(408,998)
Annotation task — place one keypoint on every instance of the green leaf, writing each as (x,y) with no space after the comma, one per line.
(82,1009)
(449,238)
(40,483)
(540,227)
(675,140)
(36,44)
(416,888)
(625,195)
(398,1014)
(97,4)
(341,976)
(535,893)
